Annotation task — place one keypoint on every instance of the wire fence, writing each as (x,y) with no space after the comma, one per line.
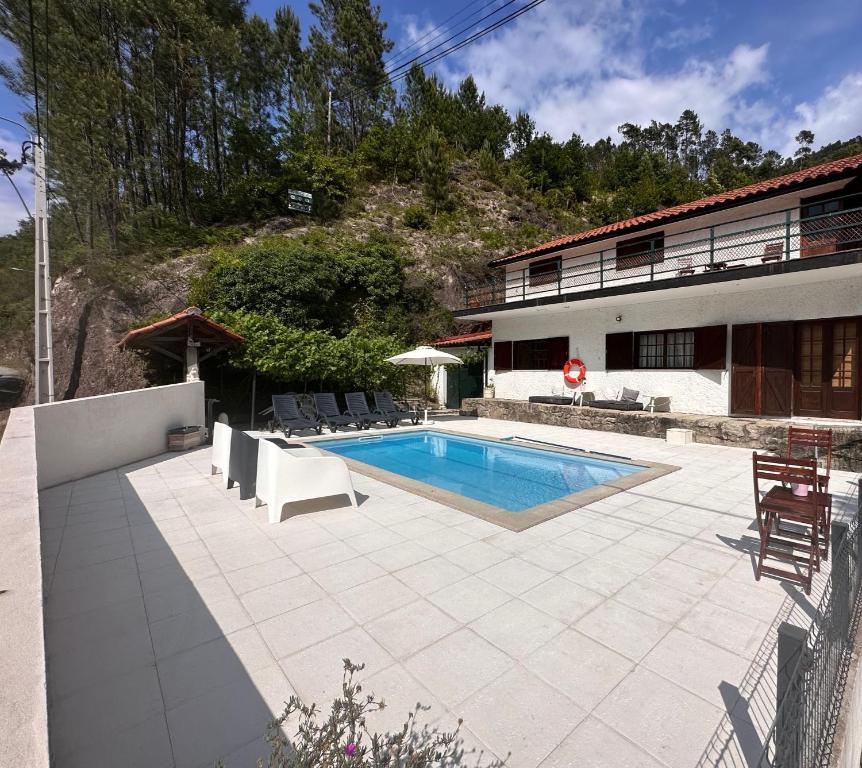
(801,735)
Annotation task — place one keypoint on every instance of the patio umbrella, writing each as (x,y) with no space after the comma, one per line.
(427,356)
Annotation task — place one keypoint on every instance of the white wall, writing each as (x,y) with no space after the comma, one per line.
(704,392)
(76,438)
(23,701)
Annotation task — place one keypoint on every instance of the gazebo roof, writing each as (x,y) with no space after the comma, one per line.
(171,335)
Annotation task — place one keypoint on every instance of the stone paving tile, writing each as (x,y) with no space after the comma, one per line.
(458,665)
(517,628)
(594,745)
(623,629)
(642,602)
(522,716)
(406,630)
(678,723)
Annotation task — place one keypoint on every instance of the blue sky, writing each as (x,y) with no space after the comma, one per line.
(763,69)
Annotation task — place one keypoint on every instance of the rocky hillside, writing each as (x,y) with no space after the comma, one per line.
(95,307)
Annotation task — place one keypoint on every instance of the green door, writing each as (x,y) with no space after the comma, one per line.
(463,381)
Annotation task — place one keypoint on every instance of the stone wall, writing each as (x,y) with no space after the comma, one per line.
(763,434)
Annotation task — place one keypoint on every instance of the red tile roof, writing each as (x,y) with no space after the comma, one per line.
(209,329)
(463,339)
(807,176)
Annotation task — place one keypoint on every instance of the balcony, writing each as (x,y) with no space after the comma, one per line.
(754,241)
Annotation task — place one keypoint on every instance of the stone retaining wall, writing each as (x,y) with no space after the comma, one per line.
(762,434)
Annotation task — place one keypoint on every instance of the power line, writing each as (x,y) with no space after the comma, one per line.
(15,187)
(401,51)
(487,16)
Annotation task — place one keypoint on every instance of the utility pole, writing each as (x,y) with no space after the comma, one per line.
(329,123)
(44,362)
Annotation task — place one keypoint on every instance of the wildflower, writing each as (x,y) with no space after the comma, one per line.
(350,748)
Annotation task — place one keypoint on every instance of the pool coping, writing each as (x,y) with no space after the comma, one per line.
(513,521)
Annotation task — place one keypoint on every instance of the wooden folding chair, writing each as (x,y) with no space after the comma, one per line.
(816,443)
(789,525)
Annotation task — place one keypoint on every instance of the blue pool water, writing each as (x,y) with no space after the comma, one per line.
(509,476)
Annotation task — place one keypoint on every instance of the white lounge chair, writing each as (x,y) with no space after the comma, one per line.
(220,461)
(298,474)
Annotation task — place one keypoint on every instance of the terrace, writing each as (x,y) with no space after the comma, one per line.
(177,620)
(767,243)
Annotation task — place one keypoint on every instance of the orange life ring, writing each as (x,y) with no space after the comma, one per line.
(576,378)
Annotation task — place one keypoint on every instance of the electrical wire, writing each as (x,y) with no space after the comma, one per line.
(401,51)
(17,192)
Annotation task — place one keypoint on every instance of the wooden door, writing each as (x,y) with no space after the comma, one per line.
(777,369)
(843,369)
(810,399)
(745,370)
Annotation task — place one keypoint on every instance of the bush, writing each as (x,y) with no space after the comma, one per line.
(415,217)
(343,739)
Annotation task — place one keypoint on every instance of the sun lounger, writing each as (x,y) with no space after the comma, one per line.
(288,418)
(327,411)
(385,404)
(287,476)
(357,406)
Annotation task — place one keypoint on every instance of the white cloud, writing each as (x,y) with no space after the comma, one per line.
(584,70)
(835,114)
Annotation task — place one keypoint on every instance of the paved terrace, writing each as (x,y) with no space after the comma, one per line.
(629,632)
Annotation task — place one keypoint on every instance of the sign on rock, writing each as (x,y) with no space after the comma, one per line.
(298,201)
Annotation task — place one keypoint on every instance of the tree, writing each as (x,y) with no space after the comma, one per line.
(804,139)
(523,131)
(434,163)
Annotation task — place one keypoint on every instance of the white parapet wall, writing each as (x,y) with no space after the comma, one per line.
(77,438)
(23,707)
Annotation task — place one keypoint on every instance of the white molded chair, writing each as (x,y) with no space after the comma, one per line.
(222,435)
(285,476)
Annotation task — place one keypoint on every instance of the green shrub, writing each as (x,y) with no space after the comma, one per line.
(415,217)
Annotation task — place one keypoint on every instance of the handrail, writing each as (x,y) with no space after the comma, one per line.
(716,251)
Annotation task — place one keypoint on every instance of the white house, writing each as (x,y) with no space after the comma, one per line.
(748,302)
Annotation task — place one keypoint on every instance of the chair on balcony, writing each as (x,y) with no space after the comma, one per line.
(788,523)
(772,252)
(685,266)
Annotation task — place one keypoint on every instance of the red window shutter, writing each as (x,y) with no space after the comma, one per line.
(558,352)
(619,351)
(503,356)
(710,346)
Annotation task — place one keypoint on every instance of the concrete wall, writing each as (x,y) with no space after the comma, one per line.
(705,392)
(23,702)
(76,438)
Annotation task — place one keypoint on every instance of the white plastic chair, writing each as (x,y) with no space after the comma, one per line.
(283,477)
(220,461)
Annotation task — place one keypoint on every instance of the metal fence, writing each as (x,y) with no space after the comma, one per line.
(802,733)
(752,241)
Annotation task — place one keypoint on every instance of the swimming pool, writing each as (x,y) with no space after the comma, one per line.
(511,477)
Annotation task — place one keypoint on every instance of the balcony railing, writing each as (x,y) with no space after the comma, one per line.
(763,239)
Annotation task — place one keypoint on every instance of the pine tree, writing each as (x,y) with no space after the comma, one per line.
(434,162)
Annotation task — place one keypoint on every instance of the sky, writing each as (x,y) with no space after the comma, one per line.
(765,70)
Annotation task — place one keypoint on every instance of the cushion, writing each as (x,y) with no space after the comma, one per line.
(629,394)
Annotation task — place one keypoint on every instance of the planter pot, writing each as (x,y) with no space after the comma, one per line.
(488,392)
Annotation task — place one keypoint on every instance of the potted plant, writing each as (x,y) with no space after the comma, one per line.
(488,391)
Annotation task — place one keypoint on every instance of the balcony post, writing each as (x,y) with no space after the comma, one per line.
(787,233)
(601,269)
(712,245)
(560,279)
(524,283)
(651,259)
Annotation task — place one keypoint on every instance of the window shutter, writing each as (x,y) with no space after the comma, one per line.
(558,352)
(619,351)
(503,356)
(710,345)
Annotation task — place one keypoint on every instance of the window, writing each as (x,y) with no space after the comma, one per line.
(536,354)
(545,272)
(666,349)
(640,251)
(701,348)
